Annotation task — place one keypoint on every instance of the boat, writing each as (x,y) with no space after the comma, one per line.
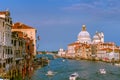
(73,76)
(102,71)
(117,64)
(63,60)
(50,73)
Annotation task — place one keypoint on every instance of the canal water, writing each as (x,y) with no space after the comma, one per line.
(87,70)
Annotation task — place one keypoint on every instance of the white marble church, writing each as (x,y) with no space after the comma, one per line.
(84,37)
(85,47)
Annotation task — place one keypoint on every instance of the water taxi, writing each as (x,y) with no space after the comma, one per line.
(102,71)
(73,76)
(50,73)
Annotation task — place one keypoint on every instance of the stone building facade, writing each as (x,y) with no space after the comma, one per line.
(6,54)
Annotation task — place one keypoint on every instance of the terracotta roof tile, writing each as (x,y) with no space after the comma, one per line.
(4,12)
(73,44)
(19,25)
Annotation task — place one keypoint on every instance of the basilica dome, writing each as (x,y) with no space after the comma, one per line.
(98,37)
(84,36)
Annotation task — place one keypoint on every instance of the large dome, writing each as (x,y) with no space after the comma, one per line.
(84,36)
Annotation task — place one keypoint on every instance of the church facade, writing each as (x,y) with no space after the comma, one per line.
(86,47)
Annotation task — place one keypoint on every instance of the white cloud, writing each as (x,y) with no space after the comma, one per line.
(96,8)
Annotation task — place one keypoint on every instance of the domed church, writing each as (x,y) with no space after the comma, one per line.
(82,47)
(92,48)
(84,36)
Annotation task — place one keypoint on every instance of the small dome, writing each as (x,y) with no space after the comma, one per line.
(96,37)
(84,36)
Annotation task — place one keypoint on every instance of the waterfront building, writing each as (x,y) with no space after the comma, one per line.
(71,52)
(61,52)
(28,32)
(80,48)
(19,50)
(96,48)
(108,51)
(6,54)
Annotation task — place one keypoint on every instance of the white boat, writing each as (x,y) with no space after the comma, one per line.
(102,71)
(117,64)
(73,76)
(63,60)
(50,73)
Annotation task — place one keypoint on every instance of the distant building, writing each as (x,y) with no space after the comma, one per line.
(87,48)
(29,32)
(108,51)
(61,52)
(79,50)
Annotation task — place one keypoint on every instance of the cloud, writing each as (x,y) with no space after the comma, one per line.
(99,9)
(93,4)
(82,12)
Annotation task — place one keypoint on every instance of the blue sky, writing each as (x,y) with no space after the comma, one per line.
(58,22)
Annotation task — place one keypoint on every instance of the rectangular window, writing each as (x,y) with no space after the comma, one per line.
(3,24)
(14,42)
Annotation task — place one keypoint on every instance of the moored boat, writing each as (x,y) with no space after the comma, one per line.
(117,64)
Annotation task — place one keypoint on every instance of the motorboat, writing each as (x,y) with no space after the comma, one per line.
(50,73)
(73,76)
(102,71)
(117,64)
(63,60)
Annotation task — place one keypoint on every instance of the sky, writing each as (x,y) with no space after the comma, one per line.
(58,22)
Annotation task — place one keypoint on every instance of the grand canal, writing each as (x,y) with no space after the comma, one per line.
(87,70)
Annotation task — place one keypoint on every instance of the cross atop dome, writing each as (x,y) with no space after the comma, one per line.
(83,27)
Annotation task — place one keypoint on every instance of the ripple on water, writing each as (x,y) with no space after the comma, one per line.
(87,70)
